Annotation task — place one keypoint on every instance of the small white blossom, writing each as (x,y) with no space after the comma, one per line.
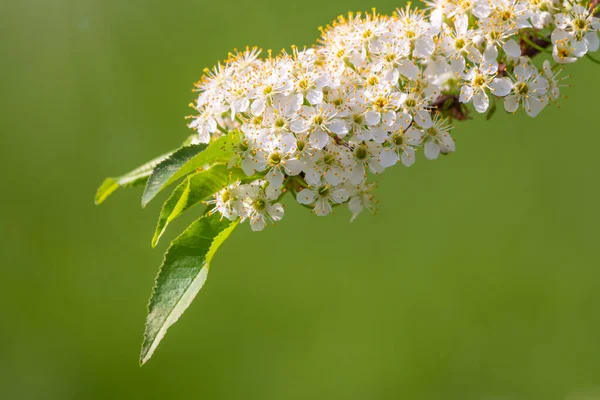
(528,90)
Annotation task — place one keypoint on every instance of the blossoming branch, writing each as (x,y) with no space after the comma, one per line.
(319,122)
(316,121)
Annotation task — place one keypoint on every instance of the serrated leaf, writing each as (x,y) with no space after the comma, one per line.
(137,177)
(195,188)
(168,167)
(182,275)
(186,160)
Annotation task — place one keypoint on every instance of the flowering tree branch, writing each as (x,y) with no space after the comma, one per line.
(318,123)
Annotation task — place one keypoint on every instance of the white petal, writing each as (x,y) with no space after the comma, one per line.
(414,136)
(511,103)
(332,177)
(287,142)
(592,41)
(305,196)
(501,86)
(461,25)
(378,134)
(339,195)
(466,93)
(391,76)
(372,117)
(482,10)
(248,166)
(447,143)
(258,106)
(423,118)
(322,207)
(273,192)
(355,205)
(315,97)
(490,54)
(313,176)
(388,157)
(458,65)
(257,223)
(403,121)
(408,156)
(299,126)
(275,177)
(319,139)
(512,48)
(358,174)
(534,105)
(276,211)
(579,48)
(432,150)
(561,21)
(293,167)
(408,69)
(481,101)
(389,118)
(339,128)
(424,47)
(540,85)
(375,167)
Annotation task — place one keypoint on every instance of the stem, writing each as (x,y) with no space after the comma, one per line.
(535,45)
(300,181)
(223,130)
(592,59)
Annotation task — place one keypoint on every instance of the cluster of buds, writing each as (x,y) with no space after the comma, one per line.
(376,89)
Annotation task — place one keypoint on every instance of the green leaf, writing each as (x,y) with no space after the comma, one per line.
(182,275)
(195,188)
(186,160)
(137,177)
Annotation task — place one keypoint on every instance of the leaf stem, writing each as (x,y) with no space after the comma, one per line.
(534,45)
(592,59)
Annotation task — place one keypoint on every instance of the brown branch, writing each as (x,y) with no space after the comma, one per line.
(451,105)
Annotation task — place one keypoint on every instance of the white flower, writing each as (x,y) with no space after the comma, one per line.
(414,27)
(477,82)
(258,208)
(417,107)
(227,202)
(272,82)
(320,122)
(393,61)
(553,80)
(381,106)
(566,48)
(401,146)
(361,198)
(365,155)
(278,158)
(528,90)
(329,164)
(461,42)
(438,138)
(310,85)
(512,14)
(322,196)
(205,124)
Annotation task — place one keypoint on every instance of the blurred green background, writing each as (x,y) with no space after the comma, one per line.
(478,279)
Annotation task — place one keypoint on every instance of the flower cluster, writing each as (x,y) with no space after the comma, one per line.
(374,91)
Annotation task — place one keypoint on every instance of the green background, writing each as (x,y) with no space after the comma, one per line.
(477,279)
